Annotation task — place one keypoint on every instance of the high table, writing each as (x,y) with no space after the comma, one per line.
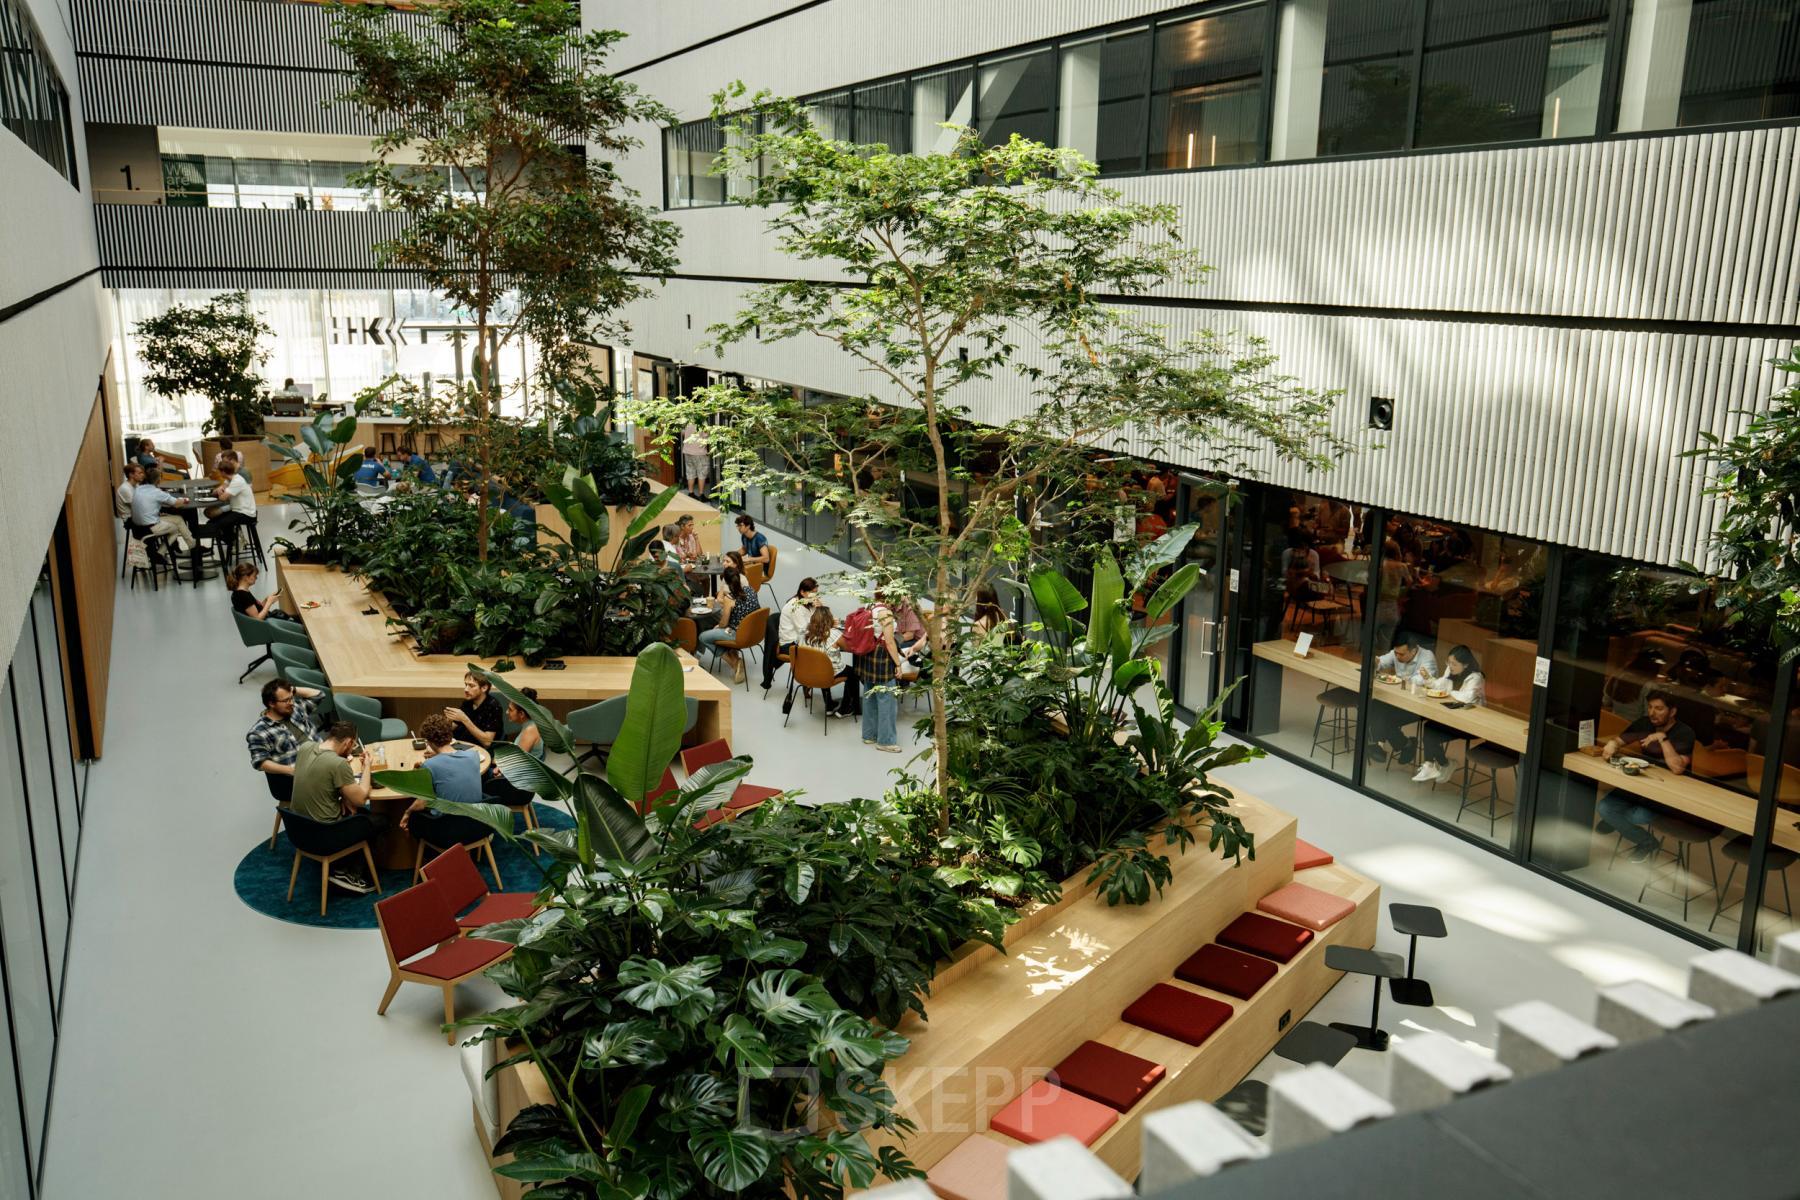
(396,849)
(199,494)
(363,654)
(1683,794)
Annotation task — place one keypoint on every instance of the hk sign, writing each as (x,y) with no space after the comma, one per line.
(366,331)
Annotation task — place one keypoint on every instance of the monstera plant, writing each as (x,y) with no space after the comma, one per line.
(331,515)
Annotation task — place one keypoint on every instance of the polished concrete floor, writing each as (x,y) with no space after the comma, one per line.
(208,1051)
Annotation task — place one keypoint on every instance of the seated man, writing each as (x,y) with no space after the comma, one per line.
(455,776)
(415,464)
(1666,742)
(329,791)
(147,504)
(756,543)
(287,722)
(149,456)
(133,475)
(372,473)
(1387,724)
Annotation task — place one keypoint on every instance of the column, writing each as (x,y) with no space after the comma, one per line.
(1299,79)
(1655,58)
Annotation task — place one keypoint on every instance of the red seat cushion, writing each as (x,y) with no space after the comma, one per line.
(749,795)
(711,816)
(1179,1014)
(1306,906)
(1307,855)
(1229,971)
(1266,936)
(975,1170)
(458,958)
(499,906)
(1113,1077)
(1044,1111)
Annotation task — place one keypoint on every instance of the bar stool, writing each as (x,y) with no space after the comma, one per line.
(1684,831)
(1480,758)
(1738,851)
(1415,921)
(1338,734)
(390,443)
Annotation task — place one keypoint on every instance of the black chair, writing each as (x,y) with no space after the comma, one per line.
(316,841)
(1684,831)
(1737,850)
(1336,735)
(1486,759)
(237,539)
(156,548)
(281,788)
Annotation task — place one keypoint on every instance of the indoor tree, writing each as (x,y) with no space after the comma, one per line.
(1756,546)
(959,281)
(211,350)
(522,221)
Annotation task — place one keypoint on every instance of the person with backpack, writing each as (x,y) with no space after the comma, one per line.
(869,635)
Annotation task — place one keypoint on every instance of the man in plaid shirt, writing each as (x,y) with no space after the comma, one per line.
(287,720)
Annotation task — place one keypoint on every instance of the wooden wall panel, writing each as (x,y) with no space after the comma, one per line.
(82,571)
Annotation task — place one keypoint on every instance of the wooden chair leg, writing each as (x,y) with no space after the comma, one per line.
(388,997)
(275,834)
(450,1012)
(292,876)
(324,883)
(493,865)
(374,875)
(418,861)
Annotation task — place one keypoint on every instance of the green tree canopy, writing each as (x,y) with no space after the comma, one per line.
(211,350)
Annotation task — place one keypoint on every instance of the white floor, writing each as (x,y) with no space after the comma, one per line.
(208,1051)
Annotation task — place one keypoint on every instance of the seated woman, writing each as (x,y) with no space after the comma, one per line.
(735,601)
(1462,679)
(987,615)
(823,633)
(240,579)
(495,785)
(456,776)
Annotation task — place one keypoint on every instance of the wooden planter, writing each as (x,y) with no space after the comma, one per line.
(251,450)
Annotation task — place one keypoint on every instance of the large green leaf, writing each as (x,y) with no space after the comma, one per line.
(583,489)
(314,439)
(652,985)
(556,735)
(655,714)
(343,431)
(1166,549)
(1107,615)
(415,783)
(733,1159)
(625,1115)
(347,469)
(1056,599)
(524,770)
(742,1045)
(608,825)
(651,511)
(1172,591)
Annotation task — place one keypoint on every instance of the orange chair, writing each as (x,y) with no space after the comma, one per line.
(1787,789)
(686,634)
(811,668)
(414,922)
(455,872)
(768,574)
(1609,725)
(748,637)
(746,795)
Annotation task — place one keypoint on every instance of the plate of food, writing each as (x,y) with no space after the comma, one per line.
(1634,764)
(1437,693)
(1388,677)
(311,604)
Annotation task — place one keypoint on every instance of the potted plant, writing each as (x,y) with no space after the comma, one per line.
(212,350)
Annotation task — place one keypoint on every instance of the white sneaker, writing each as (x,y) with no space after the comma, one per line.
(1426,773)
(351,883)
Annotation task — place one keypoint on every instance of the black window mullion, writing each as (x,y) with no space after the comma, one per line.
(1421,13)
(1366,673)
(1758,873)
(1612,69)
(1525,779)
(1266,119)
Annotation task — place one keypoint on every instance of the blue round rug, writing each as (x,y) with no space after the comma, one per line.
(262,880)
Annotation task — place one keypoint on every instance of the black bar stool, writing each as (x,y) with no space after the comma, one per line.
(1415,921)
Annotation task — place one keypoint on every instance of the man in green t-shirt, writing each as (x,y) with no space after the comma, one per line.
(333,795)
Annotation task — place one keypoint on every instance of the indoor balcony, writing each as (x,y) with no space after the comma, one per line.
(158,245)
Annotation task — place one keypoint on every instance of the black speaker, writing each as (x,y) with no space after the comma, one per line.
(1381,412)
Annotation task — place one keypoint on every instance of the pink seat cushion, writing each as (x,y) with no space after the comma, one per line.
(1306,906)
(1229,971)
(1178,1014)
(975,1170)
(1265,936)
(1112,1077)
(1044,1111)
(1308,855)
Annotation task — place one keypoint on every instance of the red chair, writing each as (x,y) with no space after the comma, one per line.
(414,922)
(664,786)
(455,872)
(746,795)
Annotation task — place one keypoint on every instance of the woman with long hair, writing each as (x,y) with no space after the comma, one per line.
(791,627)
(240,579)
(823,633)
(1462,679)
(735,601)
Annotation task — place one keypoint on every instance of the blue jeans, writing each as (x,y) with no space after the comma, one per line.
(881,712)
(720,634)
(1630,816)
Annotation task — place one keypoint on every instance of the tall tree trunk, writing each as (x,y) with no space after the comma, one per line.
(936,628)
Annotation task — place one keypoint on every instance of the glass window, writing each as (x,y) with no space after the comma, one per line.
(1367,89)
(1310,612)
(1205,612)
(1775,915)
(939,98)
(1710,61)
(22,929)
(1456,626)
(830,115)
(59,745)
(332,189)
(15,1169)
(1510,72)
(1018,95)
(884,115)
(688,154)
(272,183)
(1100,110)
(1206,101)
(34,104)
(1655,709)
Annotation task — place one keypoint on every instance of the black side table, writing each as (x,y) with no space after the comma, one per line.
(1310,1042)
(1376,963)
(1415,921)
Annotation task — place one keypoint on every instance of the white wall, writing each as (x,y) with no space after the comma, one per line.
(51,354)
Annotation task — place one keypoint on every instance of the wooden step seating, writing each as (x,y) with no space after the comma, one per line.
(999,1024)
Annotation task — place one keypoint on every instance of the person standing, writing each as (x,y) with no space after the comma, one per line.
(334,794)
(869,633)
(696,460)
(288,721)
(147,504)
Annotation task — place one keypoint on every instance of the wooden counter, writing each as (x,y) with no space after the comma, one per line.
(709,522)
(1686,794)
(365,656)
(1487,724)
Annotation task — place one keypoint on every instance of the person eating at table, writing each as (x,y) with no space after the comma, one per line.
(147,504)
(480,715)
(288,721)
(455,776)
(235,491)
(668,549)
(795,615)
(756,543)
(1660,737)
(735,601)
(1462,679)
(373,472)
(331,792)
(412,463)
(824,633)
(687,538)
(1408,660)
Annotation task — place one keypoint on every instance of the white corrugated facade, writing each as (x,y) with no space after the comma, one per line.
(1557,322)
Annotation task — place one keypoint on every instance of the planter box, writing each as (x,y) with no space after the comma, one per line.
(709,524)
(251,450)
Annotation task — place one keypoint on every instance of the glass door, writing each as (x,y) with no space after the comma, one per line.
(1200,640)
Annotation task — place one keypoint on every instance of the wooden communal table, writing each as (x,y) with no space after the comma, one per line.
(361,653)
(1486,724)
(396,849)
(1683,793)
